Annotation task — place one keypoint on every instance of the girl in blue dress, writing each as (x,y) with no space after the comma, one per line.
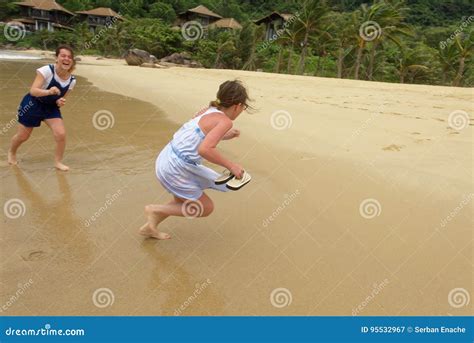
(179,168)
(43,102)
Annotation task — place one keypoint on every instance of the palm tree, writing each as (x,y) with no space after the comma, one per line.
(465,48)
(448,58)
(410,63)
(286,41)
(310,22)
(225,43)
(255,36)
(343,39)
(389,19)
(358,18)
(292,39)
(322,43)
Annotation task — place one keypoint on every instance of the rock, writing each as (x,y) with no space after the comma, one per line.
(136,57)
(182,59)
(99,58)
(153,59)
(186,55)
(148,65)
(77,59)
(195,64)
(168,64)
(178,58)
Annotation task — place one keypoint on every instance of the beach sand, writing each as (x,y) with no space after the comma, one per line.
(360,203)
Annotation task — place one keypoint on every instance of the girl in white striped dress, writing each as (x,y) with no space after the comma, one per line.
(179,168)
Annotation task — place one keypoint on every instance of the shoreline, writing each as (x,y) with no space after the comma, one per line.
(352,120)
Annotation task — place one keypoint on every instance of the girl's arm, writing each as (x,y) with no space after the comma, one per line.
(208,149)
(36,89)
(62,101)
(232,133)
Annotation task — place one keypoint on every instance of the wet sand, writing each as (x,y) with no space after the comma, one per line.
(293,242)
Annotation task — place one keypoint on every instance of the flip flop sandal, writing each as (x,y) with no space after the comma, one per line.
(225,176)
(235,184)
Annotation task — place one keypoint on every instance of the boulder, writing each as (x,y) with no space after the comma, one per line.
(136,57)
(148,65)
(182,59)
(195,64)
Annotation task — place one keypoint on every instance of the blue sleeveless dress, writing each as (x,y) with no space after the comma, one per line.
(178,166)
(33,110)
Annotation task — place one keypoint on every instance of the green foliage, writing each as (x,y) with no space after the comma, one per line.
(147,34)
(162,11)
(423,41)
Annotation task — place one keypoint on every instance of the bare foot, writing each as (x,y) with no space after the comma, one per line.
(146,231)
(150,228)
(12,158)
(61,166)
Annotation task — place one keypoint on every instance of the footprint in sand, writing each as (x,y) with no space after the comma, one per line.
(452,131)
(416,133)
(35,255)
(439,119)
(422,140)
(393,147)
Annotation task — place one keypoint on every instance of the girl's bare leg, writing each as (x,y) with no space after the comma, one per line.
(177,207)
(21,136)
(59,132)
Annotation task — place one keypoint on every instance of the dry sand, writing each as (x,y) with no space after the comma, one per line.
(298,231)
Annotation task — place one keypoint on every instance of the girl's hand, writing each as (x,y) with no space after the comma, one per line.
(61,102)
(54,91)
(237,170)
